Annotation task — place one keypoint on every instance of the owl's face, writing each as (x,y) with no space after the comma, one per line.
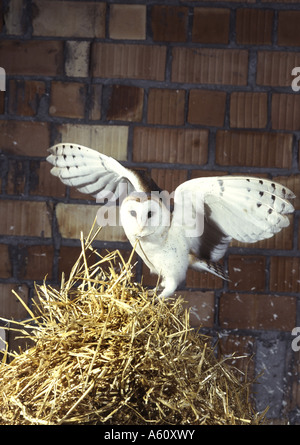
(142,216)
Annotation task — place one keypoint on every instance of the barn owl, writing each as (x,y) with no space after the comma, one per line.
(195,228)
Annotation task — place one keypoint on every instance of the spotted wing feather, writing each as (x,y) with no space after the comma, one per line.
(90,171)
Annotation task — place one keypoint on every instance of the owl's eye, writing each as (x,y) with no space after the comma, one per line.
(133,213)
(150,214)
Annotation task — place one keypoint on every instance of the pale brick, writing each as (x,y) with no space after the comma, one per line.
(13,17)
(25,218)
(127,22)
(77,58)
(107,139)
(95,102)
(76,218)
(69,19)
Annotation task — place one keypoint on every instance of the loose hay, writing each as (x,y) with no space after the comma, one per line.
(105,352)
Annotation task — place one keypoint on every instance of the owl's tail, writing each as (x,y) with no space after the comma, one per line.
(208,266)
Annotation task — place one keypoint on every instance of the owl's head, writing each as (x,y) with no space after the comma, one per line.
(143,215)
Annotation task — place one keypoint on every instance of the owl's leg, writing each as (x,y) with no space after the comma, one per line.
(169,285)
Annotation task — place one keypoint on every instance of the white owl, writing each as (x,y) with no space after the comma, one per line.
(196,229)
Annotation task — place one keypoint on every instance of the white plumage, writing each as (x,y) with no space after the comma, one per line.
(208,212)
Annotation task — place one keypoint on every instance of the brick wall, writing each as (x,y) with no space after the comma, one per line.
(183,89)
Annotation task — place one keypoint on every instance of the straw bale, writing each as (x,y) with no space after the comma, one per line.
(107,352)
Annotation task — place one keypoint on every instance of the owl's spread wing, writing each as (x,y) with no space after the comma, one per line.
(92,172)
(243,208)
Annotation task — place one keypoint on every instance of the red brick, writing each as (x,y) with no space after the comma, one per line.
(207,108)
(254,26)
(126,103)
(16,178)
(35,262)
(211,25)
(127,22)
(293,183)
(241,347)
(75,19)
(43,183)
(32,58)
(200,306)
(5,264)
(166,107)
(67,99)
(202,280)
(182,146)
(168,179)
(206,173)
(25,96)
(210,66)
(274,68)
(169,23)
(248,110)
(282,240)
(133,61)
(25,218)
(68,256)
(10,306)
(280,1)
(284,274)
(288,28)
(111,140)
(2,102)
(247,273)
(244,148)
(285,111)
(247,311)
(24,138)
(1,16)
